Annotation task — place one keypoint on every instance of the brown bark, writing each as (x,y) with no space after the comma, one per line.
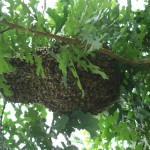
(133,62)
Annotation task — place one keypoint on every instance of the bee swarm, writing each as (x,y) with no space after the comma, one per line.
(27,87)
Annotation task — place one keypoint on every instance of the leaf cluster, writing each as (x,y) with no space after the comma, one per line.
(98,24)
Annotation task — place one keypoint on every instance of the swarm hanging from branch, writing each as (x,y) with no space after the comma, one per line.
(27,87)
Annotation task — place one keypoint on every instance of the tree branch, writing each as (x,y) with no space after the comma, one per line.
(44,34)
(1,32)
(125,60)
(76,41)
(1,117)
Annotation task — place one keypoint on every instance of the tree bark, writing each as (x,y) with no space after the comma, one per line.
(112,54)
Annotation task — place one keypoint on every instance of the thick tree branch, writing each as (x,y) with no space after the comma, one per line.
(44,34)
(132,62)
(76,41)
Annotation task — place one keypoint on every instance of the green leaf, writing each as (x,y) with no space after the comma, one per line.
(4,65)
(33,114)
(86,121)
(72,147)
(75,74)
(63,59)
(61,123)
(59,20)
(39,70)
(4,87)
(96,70)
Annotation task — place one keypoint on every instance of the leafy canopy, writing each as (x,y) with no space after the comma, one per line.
(86,26)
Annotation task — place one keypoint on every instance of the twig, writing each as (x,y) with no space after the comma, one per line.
(4,30)
(112,54)
(1,117)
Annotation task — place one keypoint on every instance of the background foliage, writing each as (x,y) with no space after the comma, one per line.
(100,24)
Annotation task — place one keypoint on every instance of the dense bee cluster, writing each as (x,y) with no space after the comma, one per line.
(27,87)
